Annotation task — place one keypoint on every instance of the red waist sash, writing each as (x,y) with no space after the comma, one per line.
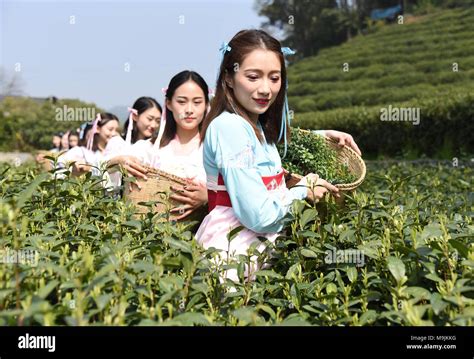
(221,197)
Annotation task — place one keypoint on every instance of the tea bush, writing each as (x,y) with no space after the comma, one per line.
(427,64)
(445,128)
(28,123)
(399,253)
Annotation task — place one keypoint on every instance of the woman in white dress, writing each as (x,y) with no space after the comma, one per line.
(142,124)
(90,154)
(177,148)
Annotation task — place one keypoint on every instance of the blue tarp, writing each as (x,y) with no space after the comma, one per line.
(390,12)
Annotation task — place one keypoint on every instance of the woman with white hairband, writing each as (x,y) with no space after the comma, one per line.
(93,139)
(177,148)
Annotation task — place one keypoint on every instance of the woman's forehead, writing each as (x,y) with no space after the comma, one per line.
(189,89)
(262,60)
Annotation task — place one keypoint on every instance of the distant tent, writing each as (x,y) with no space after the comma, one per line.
(388,13)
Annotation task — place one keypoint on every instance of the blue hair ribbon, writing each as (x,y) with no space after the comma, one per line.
(287,51)
(285,117)
(223,49)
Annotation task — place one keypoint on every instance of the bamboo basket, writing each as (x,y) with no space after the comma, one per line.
(356,166)
(157,188)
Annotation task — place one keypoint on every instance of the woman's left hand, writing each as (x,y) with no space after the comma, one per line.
(343,139)
(79,169)
(193,196)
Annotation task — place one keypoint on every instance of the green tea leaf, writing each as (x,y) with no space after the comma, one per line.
(397,268)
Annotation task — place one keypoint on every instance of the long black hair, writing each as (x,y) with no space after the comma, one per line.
(142,104)
(177,80)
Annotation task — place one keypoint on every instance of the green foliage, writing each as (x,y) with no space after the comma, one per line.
(309,153)
(444,131)
(97,265)
(411,65)
(308,25)
(27,124)
(421,7)
(387,65)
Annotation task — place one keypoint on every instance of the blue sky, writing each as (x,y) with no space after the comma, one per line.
(87,59)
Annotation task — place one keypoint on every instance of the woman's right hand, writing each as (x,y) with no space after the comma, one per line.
(192,196)
(132,166)
(318,187)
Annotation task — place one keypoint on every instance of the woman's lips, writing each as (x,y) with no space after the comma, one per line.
(261,102)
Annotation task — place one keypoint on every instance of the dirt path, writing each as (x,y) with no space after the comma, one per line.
(16,157)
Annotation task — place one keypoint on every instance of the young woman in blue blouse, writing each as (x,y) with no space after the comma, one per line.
(248,117)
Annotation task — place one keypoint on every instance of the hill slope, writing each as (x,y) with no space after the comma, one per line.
(396,64)
(408,65)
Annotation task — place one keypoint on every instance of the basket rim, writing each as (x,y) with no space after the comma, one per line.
(158,172)
(354,155)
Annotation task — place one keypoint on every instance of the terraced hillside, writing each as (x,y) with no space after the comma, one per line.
(409,65)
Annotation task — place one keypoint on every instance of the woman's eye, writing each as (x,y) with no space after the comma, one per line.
(275,79)
(181,102)
(252,77)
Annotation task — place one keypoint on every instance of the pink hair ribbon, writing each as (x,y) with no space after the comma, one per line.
(156,145)
(90,141)
(128,137)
